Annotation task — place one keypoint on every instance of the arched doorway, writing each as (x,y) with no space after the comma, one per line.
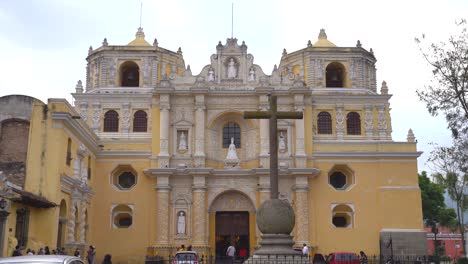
(233,214)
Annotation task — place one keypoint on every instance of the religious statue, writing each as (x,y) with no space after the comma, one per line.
(182,141)
(232,71)
(232,154)
(211,76)
(252,74)
(281,143)
(181,222)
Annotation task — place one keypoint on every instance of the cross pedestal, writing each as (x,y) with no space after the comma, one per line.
(275,217)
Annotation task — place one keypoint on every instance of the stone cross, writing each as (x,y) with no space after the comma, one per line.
(273,115)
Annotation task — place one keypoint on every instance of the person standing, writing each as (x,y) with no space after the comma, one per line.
(305,250)
(91,254)
(231,253)
(107,259)
(77,253)
(362,257)
(17,252)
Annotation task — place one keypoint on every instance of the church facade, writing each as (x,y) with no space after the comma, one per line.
(151,156)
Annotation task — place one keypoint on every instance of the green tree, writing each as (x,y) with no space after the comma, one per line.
(434,209)
(448,95)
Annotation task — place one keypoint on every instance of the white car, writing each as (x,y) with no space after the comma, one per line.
(42,259)
(186,257)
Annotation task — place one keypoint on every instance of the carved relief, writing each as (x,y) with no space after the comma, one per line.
(382,119)
(84,111)
(232,201)
(71,223)
(163,215)
(126,117)
(96,117)
(302,217)
(368,122)
(339,118)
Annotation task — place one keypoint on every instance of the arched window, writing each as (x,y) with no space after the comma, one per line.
(324,123)
(353,124)
(129,74)
(231,130)
(140,121)
(111,121)
(68,158)
(335,74)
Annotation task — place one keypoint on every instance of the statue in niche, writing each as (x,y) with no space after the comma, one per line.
(252,74)
(211,76)
(281,143)
(232,70)
(181,222)
(182,141)
(232,154)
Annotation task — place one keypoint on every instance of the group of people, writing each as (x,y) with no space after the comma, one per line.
(90,254)
(42,251)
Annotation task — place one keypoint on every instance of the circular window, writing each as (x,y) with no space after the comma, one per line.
(126,180)
(338,180)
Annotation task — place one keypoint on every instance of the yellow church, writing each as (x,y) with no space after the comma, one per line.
(152,156)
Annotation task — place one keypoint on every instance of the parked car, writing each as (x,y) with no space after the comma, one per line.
(42,259)
(343,258)
(186,257)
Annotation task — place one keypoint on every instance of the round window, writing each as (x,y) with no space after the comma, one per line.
(126,180)
(338,180)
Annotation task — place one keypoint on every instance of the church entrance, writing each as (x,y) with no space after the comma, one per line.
(232,228)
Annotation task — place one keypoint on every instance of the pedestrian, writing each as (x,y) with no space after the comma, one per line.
(91,254)
(362,257)
(107,259)
(305,250)
(63,251)
(46,250)
(182,248)
(231,253)
(17,252)
(189,248)
(41,251)
(29,252)
(77,253)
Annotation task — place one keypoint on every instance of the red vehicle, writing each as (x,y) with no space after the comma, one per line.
(342,258)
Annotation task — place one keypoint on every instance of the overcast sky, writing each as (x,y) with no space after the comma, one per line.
(44,43)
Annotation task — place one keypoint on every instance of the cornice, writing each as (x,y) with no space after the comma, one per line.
(82,131)
(123,154)
(370,154)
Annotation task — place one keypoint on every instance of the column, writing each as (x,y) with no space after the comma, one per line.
(71,223)
(199,212)
(162,213)
(301,157)
(3,218)
(163,157)
(82,226)
(301,191)
(264,134)
(199,155)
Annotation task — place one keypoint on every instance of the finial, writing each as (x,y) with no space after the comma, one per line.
(384,88)
(284,52)
(358,44)
(309,43)
(371,51)
(188,67)
(219,46)
(90,49)
(275,68)
(79,87)
(179,51)
(140,33)
(104,42)
(322,34)
(410,137)
(155,42)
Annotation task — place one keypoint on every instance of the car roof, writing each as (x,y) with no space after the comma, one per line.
(186,252)
(38,258)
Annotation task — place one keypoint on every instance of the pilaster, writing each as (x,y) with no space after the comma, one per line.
(163,190)
(301,191)
(340,122)
(301,157)
(199,211)
(199,156)
(163,156)
(264,134)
